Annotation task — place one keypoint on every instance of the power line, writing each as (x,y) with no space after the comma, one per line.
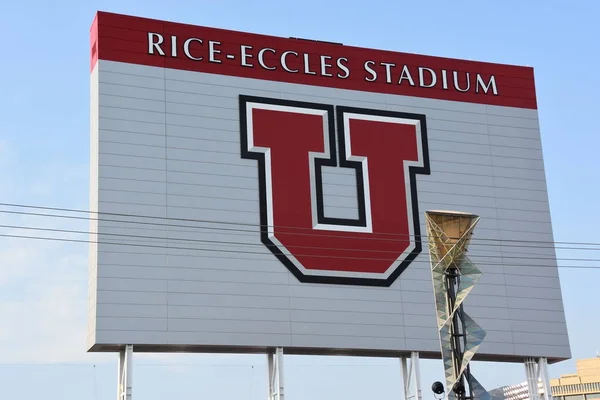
(263,254)
(260,245)
(260,226)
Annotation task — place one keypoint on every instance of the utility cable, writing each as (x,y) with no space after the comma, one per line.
(155,246)
(392,236)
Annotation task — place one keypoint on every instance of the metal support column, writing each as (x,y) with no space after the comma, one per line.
(275,374)
(411,375)
(125,373)
(537,373)
(543,367)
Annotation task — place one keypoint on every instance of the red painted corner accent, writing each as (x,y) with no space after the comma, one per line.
(94,43)
(124,38)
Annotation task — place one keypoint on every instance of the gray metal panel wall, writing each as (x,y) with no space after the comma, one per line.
(169,148)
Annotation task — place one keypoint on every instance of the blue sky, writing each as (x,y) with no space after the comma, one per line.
(44,141)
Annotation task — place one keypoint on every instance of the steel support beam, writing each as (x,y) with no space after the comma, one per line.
(411,376)
(125,373)
(536,371)
(275,374)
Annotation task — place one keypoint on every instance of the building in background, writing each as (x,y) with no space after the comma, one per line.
(583,385)
(519,391)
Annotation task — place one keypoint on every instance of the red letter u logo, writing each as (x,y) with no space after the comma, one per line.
(381,151)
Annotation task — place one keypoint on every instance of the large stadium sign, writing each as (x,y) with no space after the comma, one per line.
(256,192)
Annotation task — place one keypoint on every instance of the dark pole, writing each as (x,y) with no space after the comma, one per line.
(458,336)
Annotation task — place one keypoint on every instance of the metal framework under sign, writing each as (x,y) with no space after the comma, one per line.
(454,276)
(275,374)
(411,376)
(536,370)
(125,373)
(537,375)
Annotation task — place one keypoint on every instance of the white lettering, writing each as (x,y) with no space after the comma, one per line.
(173,46)
(307,65)
(284,63)
(155,45)
(212,51)
(444,79)
(324,65)
(406,75)
(457,84)
(186,48)
(422,77)
(370,71)
(388,71)
(261,58)
(492,82)
(246,55)
(343,67)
